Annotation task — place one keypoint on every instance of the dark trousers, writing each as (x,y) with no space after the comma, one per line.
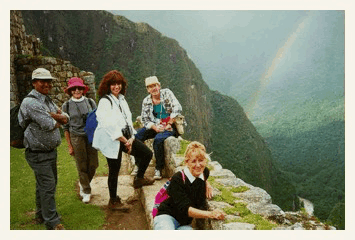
(142,155)
(44,166)
(158,143)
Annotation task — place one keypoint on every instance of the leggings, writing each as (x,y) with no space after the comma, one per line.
(142,155)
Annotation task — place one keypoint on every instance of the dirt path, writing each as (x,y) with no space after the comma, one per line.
(134,220)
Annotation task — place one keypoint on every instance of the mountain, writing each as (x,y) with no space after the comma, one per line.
(286,69)
(99,41)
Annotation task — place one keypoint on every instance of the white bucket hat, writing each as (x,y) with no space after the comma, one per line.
(151,80)
(41,73)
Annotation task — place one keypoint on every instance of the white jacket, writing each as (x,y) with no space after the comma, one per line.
(111,121)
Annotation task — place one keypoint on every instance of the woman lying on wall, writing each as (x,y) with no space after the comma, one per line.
(187,194)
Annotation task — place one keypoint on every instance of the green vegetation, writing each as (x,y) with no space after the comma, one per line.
(337,217)
(75,214)
(309,145)
(183,145)
(239,208)
(239,189)
(19,56)
(246,153)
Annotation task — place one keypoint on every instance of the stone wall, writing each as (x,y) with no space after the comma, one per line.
(60,69)
(25,56)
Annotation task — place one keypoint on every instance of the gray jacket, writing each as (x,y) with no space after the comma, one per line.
(41,134)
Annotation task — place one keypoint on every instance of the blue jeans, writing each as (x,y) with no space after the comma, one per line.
(167,222)
(158,144)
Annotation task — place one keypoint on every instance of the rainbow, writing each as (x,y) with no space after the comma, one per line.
(265,78)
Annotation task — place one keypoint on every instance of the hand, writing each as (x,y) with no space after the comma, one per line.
(168,127)
(62,119)
(209,190)
(128,145)
(217,214)
(71,150)
(158,128)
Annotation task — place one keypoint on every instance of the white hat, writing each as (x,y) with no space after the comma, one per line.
(151,80)
(41,73)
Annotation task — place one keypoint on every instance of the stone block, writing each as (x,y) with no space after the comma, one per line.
(254,195)
(223,173)
(171,146)
(265,210)
(238,226)
(57,68)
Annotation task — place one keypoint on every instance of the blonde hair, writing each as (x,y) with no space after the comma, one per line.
(195,148)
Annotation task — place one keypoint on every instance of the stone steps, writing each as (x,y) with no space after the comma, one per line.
(100,192)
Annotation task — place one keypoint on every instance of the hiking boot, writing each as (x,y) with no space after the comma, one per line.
(139,182)
(59,227)
(86,197)
(116,204)
(157,174)
(135,170)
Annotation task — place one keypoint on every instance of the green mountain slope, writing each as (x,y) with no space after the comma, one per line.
(238,146)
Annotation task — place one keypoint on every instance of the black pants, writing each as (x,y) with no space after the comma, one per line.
(142,155)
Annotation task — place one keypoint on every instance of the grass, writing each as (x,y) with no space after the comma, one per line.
(74,214)
(183,145)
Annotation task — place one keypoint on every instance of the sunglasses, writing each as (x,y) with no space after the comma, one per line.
(76,88)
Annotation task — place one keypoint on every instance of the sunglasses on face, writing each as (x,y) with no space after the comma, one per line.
(76,88)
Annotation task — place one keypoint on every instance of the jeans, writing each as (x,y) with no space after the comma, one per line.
(158,144)
(44,166)
(167,222)
(142,155)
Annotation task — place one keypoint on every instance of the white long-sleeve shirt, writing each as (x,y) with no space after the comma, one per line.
(111,121)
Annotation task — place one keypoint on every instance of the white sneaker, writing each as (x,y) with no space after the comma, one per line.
(135,171)
(157,174)
(86,197)
(81,190)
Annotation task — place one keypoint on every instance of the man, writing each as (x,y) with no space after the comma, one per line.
(159,110)
(41,138)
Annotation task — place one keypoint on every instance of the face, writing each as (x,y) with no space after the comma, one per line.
(116,88)
(77,92)
(154,89)
(43,86)
(196,164)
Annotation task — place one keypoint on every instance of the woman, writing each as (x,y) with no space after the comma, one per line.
(85,155)
(187,194)
(115,133)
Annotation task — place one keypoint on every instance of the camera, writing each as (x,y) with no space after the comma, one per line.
(126,131)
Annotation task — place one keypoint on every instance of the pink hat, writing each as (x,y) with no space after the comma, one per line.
(76,82)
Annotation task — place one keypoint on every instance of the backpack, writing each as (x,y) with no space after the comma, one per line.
(162,195)
(91,123)
(16,131)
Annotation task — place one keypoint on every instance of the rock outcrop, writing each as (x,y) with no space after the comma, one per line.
(247,207)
